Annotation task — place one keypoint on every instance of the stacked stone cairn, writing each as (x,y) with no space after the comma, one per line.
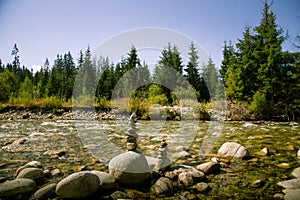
(132,135)
(164,162)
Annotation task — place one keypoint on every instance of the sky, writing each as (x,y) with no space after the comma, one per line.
(44,28)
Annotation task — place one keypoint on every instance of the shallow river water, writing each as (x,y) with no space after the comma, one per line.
(83,145)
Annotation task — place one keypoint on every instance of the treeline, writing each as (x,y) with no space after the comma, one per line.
(57,82)
(255,72)
(258,72)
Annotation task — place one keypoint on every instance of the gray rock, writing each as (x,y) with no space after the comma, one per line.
(186,178)
(232,150)
(292,194)
(15,187)
(31,173)
(183,154)
(78,185)
(107,181)
(209,167)
(32,164)
(117,195)
(296,172)
(130,168)
(180,148)
(290,184)
(162,186)
(45,192)
(196,174)
(151,161)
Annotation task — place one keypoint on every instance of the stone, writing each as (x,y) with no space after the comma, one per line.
(290,184)
(291,194)
(55,172)
(183,154)
(257,183)
(45,192)
(162,186)
(180,148)
(186,178)
(232,150)
(15,187)
(284,165)
(107,181)
(209,167)
(216,160)
(32,164)
(296,172)
(201,187)
(263,152)
(78,185)
(278,196)
(119,195)
(152,162)
(130,168)
(31,173)
(298,154)
(135,194)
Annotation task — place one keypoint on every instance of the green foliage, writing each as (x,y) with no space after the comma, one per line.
(8,85)
(259,105)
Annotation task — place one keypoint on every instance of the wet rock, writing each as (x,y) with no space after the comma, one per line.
(186,178)
(45,192)
(290,184)
(32,164)
(55,172)
(278,196)
(258,183)
(292,194)
(296,172)
(284,165)
(15,187)
(31,173)
(119,195)
(201,187)
(209,167)
(78,185)
(183,154)
(162,186)
(216,160)
(263,152)
(232,150)
(130,168)
(180,148)
(298,154)
(151,161)
(107,181)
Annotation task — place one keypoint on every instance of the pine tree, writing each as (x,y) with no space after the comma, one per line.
(192,72)
(210,76)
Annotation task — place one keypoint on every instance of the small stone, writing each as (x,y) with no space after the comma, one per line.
(31,173)
(202,187)
(214,159)
(119,195)
(186,178)
(298,154)
(135,194)
(209,168)
(263,152)
(162,186)
(183,154)
(296,172)
(232,150)
(284,165)
(180,148)
(278,196)
(257,183)
(45,192)
(55,172)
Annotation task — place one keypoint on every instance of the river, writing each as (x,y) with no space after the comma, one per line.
(72,146)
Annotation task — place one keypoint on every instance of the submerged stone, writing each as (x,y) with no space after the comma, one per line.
(162,186)
(15,187)
(232,150)
(45,192)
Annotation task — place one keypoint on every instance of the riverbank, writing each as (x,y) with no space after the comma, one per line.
(234,112)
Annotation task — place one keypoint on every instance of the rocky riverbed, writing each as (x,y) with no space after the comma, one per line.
(63,156)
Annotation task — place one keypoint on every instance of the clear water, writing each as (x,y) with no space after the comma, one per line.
(90,146)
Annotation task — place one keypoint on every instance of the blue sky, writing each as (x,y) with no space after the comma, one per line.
(44,28)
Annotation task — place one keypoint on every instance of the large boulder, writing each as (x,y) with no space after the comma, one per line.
(15,187)
(78,185)
(296,172)
(232,150)
(291,194)
(130,168)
